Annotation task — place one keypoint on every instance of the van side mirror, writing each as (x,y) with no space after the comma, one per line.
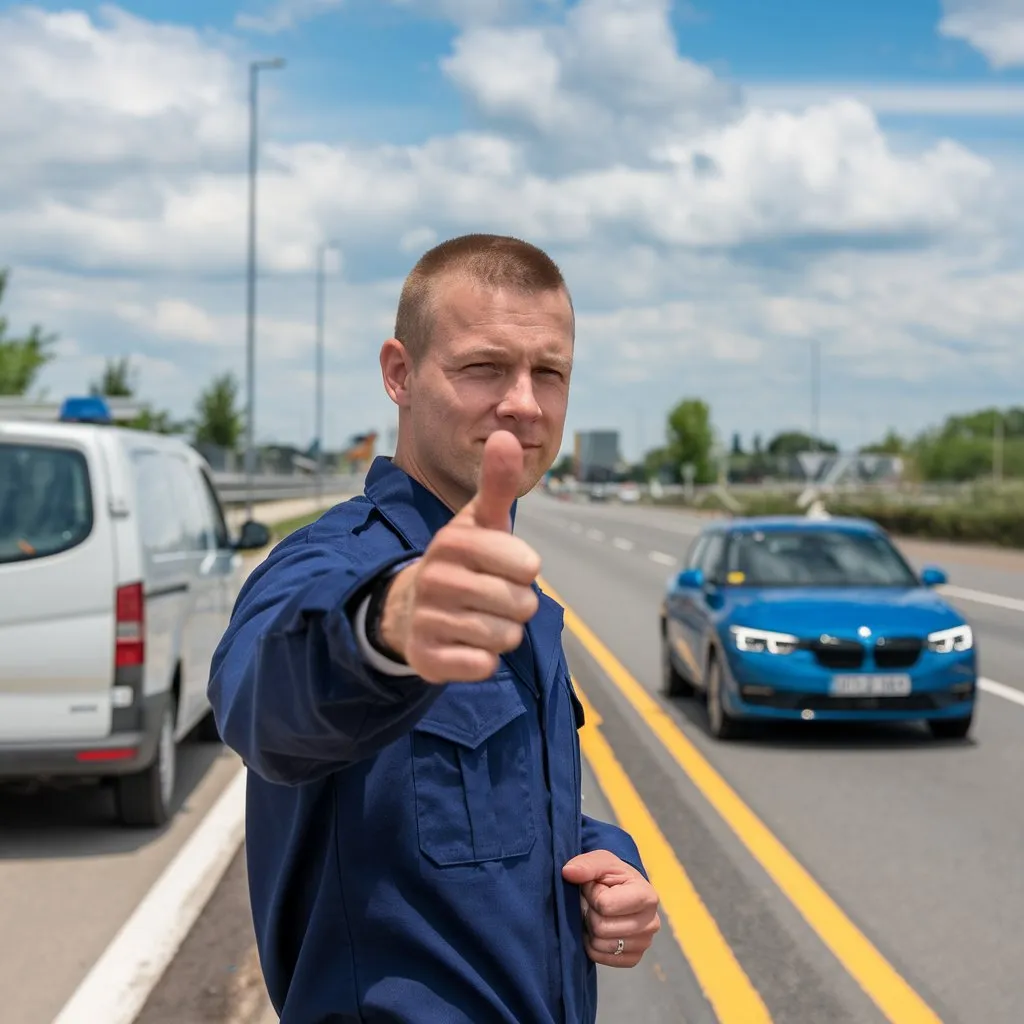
(690,579)
(252,537)
(933,576)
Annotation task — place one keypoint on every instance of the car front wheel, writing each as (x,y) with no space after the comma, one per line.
(672,682)
(723,726)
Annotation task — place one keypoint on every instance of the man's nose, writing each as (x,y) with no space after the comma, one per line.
(519,401)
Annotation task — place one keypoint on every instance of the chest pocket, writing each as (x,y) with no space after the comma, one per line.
(471,771)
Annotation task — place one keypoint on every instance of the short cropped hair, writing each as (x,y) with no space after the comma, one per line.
(493,261)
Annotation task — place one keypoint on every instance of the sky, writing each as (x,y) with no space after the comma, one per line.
(725,183)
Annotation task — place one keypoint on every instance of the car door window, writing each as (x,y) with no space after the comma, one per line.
(693,559)
(711,559)
(160,516)
(214,512)
(198,527)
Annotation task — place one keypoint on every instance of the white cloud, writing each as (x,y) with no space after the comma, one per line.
(605,85)
(287,14)
(893,98)
(993,27)
(702,235)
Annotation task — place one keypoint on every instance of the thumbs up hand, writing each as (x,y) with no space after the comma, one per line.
(465,602)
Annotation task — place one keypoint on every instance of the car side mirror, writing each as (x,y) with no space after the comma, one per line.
(690,579)
(932,576)
(252,536)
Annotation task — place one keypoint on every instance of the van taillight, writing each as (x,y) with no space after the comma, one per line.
(131,644)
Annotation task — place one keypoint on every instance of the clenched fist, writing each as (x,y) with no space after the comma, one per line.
(465,602)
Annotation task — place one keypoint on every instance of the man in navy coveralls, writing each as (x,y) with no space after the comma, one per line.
(394,679)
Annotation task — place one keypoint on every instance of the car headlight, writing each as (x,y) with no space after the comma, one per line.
(761,640)
(946,641)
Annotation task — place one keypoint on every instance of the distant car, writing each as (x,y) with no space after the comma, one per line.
(629,493)
(117,576)
(785,618)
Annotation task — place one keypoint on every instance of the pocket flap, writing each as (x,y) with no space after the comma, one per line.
(469,713)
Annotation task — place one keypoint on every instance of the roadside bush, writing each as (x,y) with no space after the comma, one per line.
(1000,526)
(993,520)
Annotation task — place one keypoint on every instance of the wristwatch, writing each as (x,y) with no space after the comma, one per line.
(375,612)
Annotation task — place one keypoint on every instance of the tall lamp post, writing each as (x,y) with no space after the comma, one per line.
(815,390)
(255,67)
(321,255)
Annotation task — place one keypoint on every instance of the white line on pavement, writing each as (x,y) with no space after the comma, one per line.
(116,988)
(622,544)
(595,534)
(661,558)
(1002,690)
(1014,604)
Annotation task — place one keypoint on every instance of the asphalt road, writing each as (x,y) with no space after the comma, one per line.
(919,842)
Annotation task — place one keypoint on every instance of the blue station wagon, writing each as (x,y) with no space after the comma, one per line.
(786,618)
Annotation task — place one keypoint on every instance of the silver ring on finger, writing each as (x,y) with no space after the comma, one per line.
(619,948)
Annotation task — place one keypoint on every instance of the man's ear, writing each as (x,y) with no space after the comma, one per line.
(395,368)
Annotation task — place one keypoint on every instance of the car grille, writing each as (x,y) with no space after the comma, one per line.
(897,652)
(836,653)
(888,652)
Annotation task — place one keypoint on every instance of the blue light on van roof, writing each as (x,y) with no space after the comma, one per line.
(88,409)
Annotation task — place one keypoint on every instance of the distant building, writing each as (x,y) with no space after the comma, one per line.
(596,456)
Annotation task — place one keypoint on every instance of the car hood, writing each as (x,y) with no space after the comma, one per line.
(811,611)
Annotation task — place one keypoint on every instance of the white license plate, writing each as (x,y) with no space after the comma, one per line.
(870,686)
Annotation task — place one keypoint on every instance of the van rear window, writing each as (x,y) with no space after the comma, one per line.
(45,501)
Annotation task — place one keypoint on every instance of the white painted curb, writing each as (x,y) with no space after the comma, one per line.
(116,988)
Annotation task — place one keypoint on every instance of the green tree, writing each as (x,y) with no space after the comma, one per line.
(218,421)
(118,380)
(891,444)
(22,358)
(793,442)
(691,438)
(564,466)
(157,421)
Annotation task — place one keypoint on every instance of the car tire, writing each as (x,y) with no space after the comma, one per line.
(144,799)
(951,728)
(673,683)
(720,723)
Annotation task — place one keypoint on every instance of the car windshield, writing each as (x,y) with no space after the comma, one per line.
(45,504)
(814,558)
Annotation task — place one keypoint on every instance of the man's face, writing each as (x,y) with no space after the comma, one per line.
(496,360)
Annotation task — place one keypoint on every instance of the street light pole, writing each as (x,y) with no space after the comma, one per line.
(320,259)
(250,332)
(815,391)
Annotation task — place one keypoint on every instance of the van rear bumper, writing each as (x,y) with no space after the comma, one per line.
(120,753)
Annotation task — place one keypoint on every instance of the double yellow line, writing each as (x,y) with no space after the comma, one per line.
(726,986)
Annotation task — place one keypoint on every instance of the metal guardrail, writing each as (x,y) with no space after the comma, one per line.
(233,488)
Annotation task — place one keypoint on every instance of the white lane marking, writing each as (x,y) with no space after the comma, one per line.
(1014,604)
(1002,690)
(622,544)
(119,983)
(575,527)
(661,558)
(595,534)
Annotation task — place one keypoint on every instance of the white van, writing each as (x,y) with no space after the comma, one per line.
(117,580)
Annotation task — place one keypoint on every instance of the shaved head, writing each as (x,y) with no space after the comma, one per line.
(492,262)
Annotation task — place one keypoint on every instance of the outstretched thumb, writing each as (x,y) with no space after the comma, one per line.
(500,474)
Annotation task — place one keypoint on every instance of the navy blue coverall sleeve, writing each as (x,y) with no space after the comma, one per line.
(601,835)
(290,691)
